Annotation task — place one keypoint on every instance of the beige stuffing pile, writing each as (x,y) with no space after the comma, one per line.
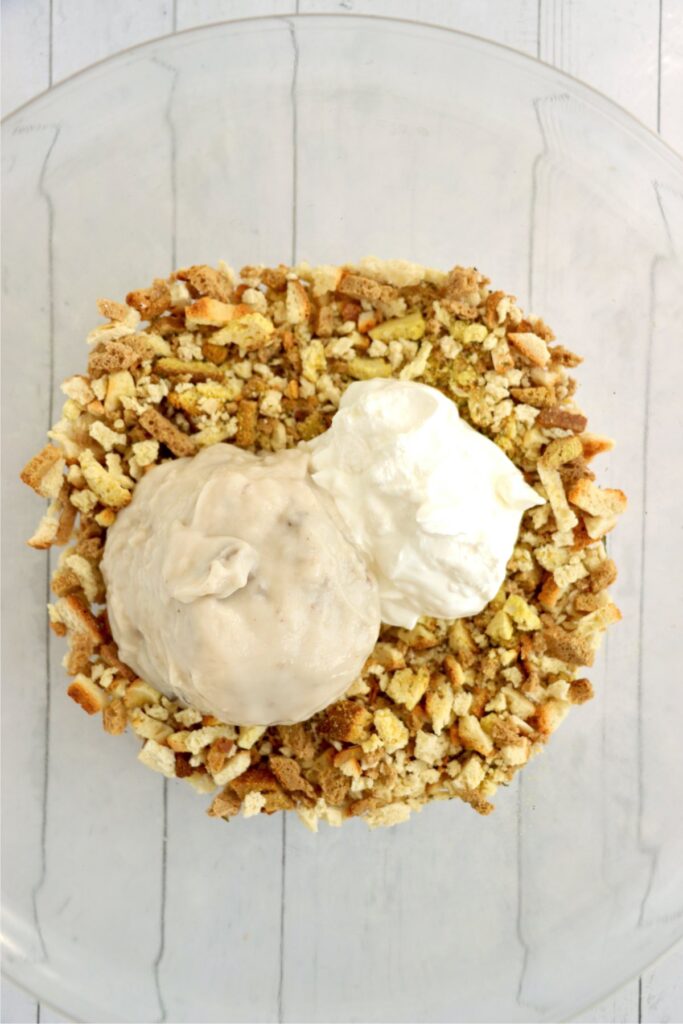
(448,709)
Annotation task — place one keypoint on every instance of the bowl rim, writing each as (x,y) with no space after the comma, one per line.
(594,97)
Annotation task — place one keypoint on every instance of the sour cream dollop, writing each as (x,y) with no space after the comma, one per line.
(434,505)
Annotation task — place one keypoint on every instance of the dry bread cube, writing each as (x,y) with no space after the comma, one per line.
(388,815)
(44,472)
(102,482)
(595,500)
(205,280)
(158,758)
(472,736)
(407,687)
(570,647)
(167,433)
(56,525)
(356,286)
(87,694)
(233,767)
(391,730)
(212,312)
(565,419)
(529,345)
(114,717)
(347,721)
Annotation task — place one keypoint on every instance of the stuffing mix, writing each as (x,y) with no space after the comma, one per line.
(447,709)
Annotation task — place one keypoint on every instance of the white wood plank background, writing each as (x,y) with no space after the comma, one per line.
(631,50)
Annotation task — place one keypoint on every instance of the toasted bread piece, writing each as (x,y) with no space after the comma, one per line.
(87,694)
(102,482)
(44,472)
(151,302)
(356,286)
(205,280)
(565,419)
(213,313)
(347,720)
(533,348)
(569,647)
(595,500)
(167,433)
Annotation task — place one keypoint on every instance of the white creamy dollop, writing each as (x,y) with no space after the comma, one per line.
(231,584)
(434,505)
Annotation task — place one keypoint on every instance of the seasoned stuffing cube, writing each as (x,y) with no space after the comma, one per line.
(408,687)
(391,730)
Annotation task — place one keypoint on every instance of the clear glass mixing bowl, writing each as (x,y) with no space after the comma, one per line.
(328,139)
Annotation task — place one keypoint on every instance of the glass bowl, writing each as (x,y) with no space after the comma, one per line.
(328,139)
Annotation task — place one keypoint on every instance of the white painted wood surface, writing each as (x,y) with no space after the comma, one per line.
(631,50)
